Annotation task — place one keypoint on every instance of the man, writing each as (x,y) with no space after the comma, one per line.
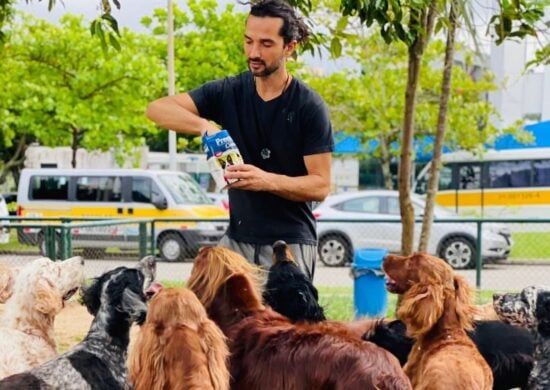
(282,130)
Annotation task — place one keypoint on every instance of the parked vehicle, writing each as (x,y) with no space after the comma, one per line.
(219,199)
(121,193)
(4,231)
(513,183)
(454,242)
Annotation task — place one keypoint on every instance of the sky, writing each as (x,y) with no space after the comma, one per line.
(129,15)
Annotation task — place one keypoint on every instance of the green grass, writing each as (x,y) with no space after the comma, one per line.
(338,302)
(530,245)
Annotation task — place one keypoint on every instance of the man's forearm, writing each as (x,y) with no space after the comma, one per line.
(166,112)
(302,188)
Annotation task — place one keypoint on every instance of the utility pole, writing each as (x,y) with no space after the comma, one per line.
(172,141)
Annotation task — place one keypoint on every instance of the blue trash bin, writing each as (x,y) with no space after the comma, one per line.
(370,298)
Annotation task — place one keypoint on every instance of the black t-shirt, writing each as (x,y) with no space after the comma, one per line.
(289,127)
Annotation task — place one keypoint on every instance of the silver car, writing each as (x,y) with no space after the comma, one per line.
(454,242)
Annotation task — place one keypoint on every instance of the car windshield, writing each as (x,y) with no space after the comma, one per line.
(184,190)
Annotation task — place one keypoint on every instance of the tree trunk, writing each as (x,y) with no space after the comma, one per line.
(385,160)
(74,146)
(16,161)
(440,131)
(416,51)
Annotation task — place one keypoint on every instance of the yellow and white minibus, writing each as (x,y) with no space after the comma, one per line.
(512,183)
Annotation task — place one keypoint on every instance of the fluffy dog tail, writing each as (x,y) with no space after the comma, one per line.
(281,252)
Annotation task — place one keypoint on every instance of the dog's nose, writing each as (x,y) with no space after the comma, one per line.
(142,315)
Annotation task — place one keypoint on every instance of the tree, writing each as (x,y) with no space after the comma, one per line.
(368,102)
(60,89)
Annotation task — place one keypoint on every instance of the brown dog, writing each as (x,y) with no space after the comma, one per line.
(178,347)
(437,310)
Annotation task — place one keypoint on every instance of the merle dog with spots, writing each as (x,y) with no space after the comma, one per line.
(288,291)
(507,349)
(116,299)
(530,309)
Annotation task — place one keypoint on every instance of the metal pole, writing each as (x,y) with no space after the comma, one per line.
(142,240)
(478,256)
(172,147)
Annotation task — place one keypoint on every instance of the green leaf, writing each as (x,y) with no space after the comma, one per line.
(336,47)
(114,41)
(113,24)
(342,23)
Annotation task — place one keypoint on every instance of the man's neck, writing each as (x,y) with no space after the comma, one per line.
(272,86)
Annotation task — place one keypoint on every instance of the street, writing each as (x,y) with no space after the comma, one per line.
(493,276)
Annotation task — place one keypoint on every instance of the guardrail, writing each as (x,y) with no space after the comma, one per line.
(61,238)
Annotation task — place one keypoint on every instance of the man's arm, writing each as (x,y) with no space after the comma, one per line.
(179,113)
(315,186)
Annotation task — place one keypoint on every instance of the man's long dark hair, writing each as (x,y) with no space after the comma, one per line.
(293,28)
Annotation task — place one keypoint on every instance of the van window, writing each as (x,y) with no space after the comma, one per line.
(98,189)
(542,172)
(184,190)
(143,189)
(469,177)
(505,174)
(49,188)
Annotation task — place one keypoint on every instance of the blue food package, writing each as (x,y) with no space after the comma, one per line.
(221,152)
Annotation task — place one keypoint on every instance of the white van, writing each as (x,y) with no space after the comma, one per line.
(121,193)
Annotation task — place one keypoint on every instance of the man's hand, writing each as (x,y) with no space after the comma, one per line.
(250,178)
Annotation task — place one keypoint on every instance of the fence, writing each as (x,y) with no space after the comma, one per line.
(506,254)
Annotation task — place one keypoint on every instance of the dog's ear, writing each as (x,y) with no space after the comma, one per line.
(213,344)
(241,294)
(421,307)
(543,313)
(91,296)
(465,311)
(47,299)
(7,282)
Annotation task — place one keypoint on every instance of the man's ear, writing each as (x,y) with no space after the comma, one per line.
(289,48)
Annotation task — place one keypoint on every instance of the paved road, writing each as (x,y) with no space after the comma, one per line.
(493,276)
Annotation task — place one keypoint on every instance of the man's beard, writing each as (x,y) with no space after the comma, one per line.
(266,71)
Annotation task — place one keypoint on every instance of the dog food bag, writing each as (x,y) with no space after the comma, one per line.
(221,151)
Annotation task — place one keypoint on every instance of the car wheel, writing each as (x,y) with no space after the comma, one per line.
(459,252)
(172,247)
(334,250)
(42,245)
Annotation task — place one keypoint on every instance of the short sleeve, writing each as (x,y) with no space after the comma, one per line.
(318,129)
(208,99)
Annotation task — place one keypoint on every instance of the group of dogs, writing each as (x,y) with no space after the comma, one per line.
(232,327)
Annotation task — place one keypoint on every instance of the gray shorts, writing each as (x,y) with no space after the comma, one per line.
(305,255)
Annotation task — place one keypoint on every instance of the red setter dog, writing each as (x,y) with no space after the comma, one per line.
(178,347)
(268,351)
(437,311)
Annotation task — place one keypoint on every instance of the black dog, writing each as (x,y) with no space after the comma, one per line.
(116,300)
(288,291)
(508,350)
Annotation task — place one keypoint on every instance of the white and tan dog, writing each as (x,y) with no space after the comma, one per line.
(26,325)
